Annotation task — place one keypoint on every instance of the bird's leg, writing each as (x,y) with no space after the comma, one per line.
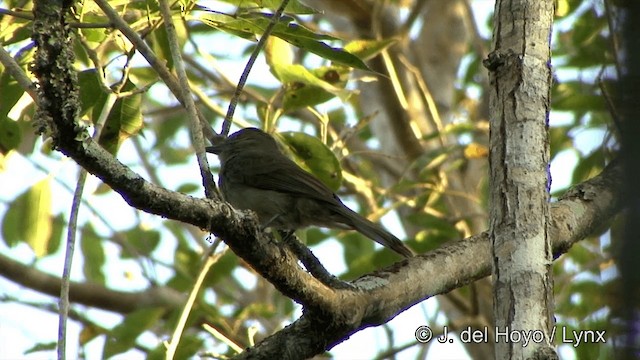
(311,262)
(266,225)
(286,235)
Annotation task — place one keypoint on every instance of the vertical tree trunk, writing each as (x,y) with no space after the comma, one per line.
(626,308)
(520,77)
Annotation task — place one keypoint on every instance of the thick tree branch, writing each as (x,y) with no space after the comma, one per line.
(88,293)
(382,295)
(586,207)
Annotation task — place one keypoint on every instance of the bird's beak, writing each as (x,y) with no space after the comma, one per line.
(218,147)
(215,149)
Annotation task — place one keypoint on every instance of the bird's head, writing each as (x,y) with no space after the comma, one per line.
(248,139)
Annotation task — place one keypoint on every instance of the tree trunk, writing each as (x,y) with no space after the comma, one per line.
(520,77)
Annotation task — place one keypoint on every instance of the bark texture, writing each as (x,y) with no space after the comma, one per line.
(520,76)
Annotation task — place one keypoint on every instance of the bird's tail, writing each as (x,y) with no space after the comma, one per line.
(375,232)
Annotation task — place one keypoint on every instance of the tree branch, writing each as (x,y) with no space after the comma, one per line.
(90,294)
(384,293)
(585,208)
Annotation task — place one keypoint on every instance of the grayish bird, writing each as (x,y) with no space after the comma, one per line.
(256,175)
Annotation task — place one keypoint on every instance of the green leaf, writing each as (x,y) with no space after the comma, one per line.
(298,36)
(304,87)
(439,231)
(93,253)
(160,42)
(361,256)
(29,219)
(167,129)
(10,135)
(293,7)
(189,188)
(252,24)
(12,229)
(123,336)
(576,96)
(59,226)
(358,253)
(559,140)
(187,263)
(188,348)
(325,84)
(142,242)
(16,32)
(41,347)
(314,156)
(367,49)
(314,236)
(124,120)
(89,332)
(39,219)
(222,269)
(11,93)
(588,167)
(278,53)
(91,93)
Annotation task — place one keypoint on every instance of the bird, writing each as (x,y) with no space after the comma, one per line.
(255,175)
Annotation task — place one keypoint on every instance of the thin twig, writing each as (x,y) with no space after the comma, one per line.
(427,98)
(72,231)
(416,11)
(158,65)
(13,68)
(177,333)
(195,126)
(220,336)
(226,125)
(68,260)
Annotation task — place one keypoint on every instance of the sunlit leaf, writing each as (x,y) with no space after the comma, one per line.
(188,348)
(11,93)
(367,49)
(293,7)
(124,120)
(315,156)
(123,336)
(88,333)
(29,219)
(253,24)
(303,87)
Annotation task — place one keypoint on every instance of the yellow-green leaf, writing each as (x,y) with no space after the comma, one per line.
(29,220)
(367,49)
(38,217)
(315,156)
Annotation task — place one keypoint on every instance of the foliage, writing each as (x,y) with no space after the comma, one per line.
(307,85)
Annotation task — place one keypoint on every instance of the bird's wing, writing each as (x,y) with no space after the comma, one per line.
(283,175)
